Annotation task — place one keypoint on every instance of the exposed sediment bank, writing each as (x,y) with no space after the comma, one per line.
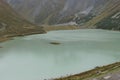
(46,28)
(53,28)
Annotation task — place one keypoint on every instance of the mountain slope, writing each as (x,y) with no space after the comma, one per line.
(86,13)
(12,24)
(111,22)
(50,11)
(112,7)
(105,15)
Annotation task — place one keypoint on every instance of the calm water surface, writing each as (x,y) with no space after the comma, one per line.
(34,58)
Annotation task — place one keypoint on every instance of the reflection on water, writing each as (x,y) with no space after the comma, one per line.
(34,58)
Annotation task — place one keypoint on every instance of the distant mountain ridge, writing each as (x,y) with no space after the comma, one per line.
(87,13)
(50,11)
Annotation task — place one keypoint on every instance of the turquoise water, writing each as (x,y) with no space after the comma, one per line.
(34,58)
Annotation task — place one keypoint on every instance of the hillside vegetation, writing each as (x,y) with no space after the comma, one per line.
(108,19)
(102,16)
(112,22)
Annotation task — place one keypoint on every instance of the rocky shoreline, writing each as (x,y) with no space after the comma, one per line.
(95,73)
